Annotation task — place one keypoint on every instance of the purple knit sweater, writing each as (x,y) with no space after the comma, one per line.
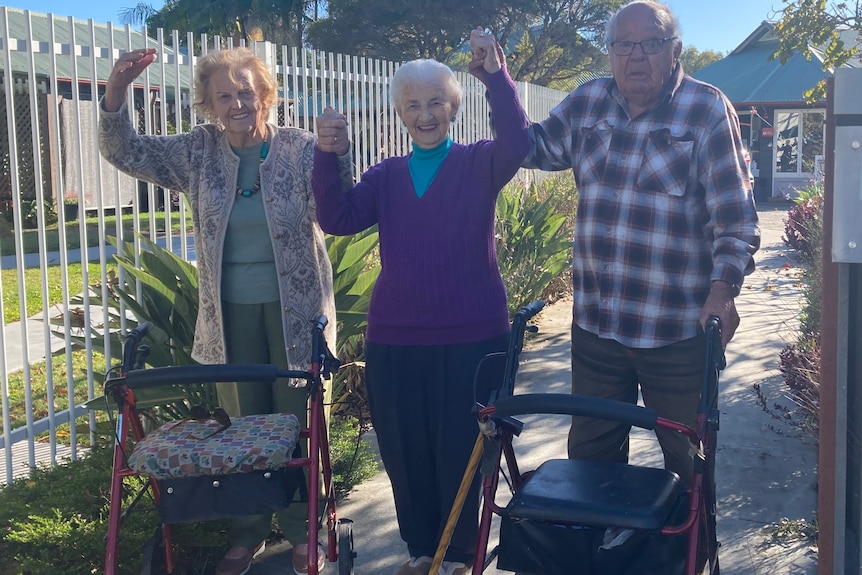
(439,282)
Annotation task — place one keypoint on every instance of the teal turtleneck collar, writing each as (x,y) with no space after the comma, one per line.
(424,164)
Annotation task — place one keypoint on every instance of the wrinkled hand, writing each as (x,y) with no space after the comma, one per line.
(128,67)
(332,133)
(487,54)
(720,303)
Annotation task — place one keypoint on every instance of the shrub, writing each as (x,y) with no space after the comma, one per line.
(800,361)
(352,459)
(800,366)
(30,213)
(805,214)
(54,523)
(533,237)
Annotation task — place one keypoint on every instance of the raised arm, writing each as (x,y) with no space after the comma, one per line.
(128,67)
(511,137)
(342,208)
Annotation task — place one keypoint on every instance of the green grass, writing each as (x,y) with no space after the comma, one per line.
(33,287)
(32,276)
(30,237)
(38,384)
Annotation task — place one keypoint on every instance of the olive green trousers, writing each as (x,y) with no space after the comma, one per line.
(254,334)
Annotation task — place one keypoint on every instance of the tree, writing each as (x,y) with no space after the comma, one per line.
(280,21)
(546,41)
(137,14)
(693,60)
(807,23)
(399,29)
(556,40)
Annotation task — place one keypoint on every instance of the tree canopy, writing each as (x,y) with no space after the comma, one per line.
(280,21)
(807,23)
(546,41)
(555,41)
(693,60)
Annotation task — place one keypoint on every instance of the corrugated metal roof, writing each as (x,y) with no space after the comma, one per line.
(62,43)
(749,75)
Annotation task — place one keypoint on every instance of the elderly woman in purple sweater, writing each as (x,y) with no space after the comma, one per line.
(439,304)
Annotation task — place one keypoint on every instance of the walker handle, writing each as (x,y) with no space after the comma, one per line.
(582,405)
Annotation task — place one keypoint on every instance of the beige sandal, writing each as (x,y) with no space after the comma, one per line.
(237,560)
(300,558)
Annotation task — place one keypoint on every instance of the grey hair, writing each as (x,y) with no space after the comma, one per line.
(662,11)
(423,70)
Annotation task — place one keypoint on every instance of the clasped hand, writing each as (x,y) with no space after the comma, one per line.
(487,54)
(332,133)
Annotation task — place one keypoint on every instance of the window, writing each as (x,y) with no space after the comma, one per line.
(812,139)
(798,140)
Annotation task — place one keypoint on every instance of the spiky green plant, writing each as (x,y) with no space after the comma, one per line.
(533,246)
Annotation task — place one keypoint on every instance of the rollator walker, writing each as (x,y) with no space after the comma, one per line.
(208,467)
(585,517)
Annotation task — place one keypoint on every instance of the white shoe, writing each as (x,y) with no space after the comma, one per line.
(452,568)
(415,566)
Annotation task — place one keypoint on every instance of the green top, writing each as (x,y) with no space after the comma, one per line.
(248,265)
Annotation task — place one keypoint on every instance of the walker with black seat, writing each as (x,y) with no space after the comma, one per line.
(586,517)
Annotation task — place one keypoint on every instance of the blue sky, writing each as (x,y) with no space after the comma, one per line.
(719,25)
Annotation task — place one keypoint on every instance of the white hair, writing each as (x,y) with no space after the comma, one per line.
(423,70)
(662,11)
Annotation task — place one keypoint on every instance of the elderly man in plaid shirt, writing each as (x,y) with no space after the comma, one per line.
(666,228)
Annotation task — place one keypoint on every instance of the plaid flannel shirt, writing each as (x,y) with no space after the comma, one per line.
(665,206)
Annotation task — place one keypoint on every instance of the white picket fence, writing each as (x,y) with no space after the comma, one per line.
(49,124)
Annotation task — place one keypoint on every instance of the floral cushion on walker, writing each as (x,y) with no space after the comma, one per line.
(190,448)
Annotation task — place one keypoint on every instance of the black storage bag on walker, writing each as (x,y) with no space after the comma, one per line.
(531,547)
(217,496)
(554,524)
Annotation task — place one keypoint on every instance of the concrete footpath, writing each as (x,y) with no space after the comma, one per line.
(765,472)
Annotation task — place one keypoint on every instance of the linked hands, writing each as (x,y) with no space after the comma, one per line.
(128,67)
(487,54)
(332,135)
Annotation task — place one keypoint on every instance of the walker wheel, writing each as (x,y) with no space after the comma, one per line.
(346,554)
(154,555)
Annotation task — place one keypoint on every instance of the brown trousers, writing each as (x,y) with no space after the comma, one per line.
(669,379)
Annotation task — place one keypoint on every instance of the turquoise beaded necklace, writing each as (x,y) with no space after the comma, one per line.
(249,192)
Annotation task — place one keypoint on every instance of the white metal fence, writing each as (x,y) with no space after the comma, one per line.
(53,71)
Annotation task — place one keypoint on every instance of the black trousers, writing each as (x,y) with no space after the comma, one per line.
(421,400)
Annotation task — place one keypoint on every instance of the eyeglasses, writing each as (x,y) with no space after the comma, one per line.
(200,413)
(651,46)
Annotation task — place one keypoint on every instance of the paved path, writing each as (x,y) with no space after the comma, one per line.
(763,476)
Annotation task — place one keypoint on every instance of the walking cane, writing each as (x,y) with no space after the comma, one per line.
(486,427)
(458,504)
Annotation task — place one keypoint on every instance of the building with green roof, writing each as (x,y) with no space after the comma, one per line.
(784,133)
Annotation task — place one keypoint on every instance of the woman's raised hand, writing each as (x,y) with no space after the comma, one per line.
(128,67)
(332,133)
(487,54)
